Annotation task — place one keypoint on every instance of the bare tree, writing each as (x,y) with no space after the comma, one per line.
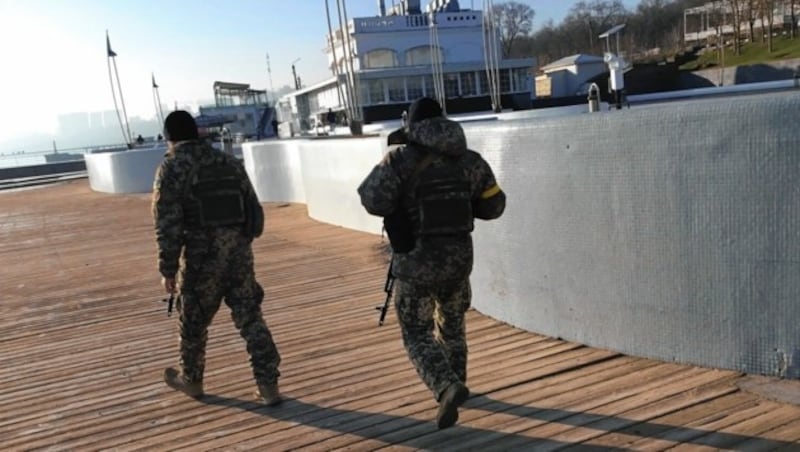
(751,13)
(658,25)
(793,29)
(514,20)
(597,16)
(736,7)
(768,10)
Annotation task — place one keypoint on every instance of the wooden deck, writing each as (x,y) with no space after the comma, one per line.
(85,339)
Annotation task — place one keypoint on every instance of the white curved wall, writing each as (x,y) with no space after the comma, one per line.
(332,172)
(670,231)
(275,171)
(129,171)
(323,173)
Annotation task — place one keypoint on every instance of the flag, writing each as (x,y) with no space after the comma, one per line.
(109,52)
(154,81)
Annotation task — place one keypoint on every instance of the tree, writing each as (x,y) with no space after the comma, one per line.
(596,16)
(751,12)
(768,10)
(514,20)
(736,7)
(792,5)
(658,24)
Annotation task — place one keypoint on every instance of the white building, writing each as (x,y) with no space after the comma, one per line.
(569,75)
(243,111)
(394,56)
(716,17)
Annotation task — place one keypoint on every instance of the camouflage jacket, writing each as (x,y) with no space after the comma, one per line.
(434,258)
(170,200)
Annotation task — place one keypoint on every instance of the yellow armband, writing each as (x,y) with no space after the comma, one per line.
(491,191)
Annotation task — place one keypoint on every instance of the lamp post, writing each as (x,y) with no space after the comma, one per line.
(271,89)
(294,75)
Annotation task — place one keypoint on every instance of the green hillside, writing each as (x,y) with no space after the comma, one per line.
(752,53)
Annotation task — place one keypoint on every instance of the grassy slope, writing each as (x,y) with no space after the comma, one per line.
(752,53)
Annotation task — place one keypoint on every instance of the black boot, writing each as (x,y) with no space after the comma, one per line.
(452,398)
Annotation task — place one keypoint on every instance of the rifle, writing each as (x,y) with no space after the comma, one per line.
(169,301)
(387,287)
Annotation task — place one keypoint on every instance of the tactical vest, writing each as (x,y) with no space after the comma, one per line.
(444,200)
(214,197)
(443,205)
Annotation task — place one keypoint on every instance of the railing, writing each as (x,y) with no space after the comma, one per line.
(396,23)
(24,158)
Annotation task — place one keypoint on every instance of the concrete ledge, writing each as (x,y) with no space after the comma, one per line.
(274,168)
(128,171)
(323,174)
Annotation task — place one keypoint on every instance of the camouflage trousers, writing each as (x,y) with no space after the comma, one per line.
(202,292)
(434,333)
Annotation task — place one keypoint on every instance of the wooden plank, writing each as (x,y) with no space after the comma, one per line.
(685,418)
(85,339)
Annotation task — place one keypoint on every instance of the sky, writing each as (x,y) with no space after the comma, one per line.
(54,55)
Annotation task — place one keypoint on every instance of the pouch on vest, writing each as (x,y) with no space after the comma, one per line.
(445,206)
(254,214)
(399,225)
(216,190)
(400,231)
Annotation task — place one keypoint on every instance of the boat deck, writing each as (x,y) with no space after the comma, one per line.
(85,339)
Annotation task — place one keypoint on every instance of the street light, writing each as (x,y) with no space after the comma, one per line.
(294,75)
(271,88)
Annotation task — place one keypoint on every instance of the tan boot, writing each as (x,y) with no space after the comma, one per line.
(175,380)
(452,398)
(269,394)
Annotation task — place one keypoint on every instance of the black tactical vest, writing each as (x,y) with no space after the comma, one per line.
(444,199)
(215,197)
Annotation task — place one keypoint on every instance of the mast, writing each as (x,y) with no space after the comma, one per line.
(111,57)
(157,100)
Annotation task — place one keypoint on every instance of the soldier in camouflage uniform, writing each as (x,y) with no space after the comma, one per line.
(435,186)
(205,263)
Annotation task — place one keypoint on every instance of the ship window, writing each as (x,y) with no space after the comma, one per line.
(484,82)
(419,56)
(520,79)
(505,81)
(451,85)
(380,58)
(468,87)
(430,90)
(397,89)
(414,87)
(377,93)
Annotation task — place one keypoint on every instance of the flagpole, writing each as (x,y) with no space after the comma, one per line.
(109,55)
(122,101)
(157,100)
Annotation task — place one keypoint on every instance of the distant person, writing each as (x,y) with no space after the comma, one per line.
(206,216)
(429,192)
(160,137)
(331,118)
(275,125)
(139,140)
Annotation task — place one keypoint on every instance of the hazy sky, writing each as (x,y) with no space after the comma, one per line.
(54,55)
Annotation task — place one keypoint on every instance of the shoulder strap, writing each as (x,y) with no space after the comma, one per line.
(424,163)
(187,187)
